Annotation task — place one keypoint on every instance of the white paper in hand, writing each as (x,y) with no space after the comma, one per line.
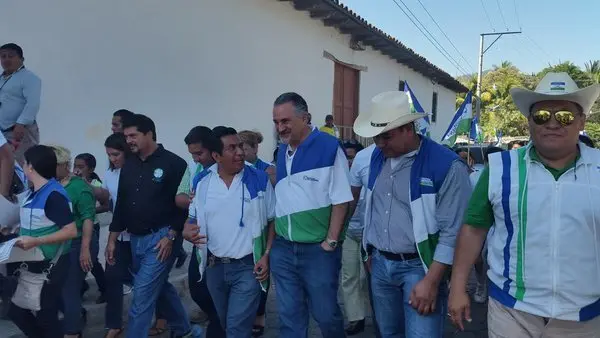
(10,253)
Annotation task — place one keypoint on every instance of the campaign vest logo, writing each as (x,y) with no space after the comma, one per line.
(158,175)
(308,178)
(426,182)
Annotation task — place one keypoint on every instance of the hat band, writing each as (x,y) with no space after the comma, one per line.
(379,125)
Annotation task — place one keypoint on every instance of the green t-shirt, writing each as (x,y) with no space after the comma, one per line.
(480,213)
(83,201)
(184,185)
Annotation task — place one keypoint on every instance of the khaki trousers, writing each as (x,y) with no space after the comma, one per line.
(30,139)
(504,322)
(354,281)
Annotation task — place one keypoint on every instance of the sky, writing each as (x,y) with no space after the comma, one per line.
(553,30)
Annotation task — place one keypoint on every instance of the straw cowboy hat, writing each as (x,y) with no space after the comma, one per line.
(553,87)
(389,110)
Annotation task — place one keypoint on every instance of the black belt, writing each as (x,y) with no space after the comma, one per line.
(394,256)
(212,259)
(146,231)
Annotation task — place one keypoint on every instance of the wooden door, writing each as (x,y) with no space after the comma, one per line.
(345,99)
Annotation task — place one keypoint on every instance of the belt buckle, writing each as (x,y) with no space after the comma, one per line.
(211,261)
(402,257)
(226,260)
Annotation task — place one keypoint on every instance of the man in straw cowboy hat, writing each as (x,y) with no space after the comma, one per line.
(417,193)
(543,199)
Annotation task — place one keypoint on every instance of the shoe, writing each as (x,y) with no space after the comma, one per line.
(196,332)
(127,289)
(101,299)
(480,295)
(355,327)
(181,260)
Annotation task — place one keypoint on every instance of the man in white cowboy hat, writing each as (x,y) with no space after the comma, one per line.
(544,254)
(417,193)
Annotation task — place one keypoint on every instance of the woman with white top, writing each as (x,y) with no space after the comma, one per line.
(118,275)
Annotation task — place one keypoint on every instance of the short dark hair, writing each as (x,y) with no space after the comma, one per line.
(14,47)
(199,134)
(89,159)
(143,123)
(328,117)
(491,150)
(465,150)
(43,160)
(300,105)
(119,142)
(353,145)
(218,132)
(587,141)
(123,114)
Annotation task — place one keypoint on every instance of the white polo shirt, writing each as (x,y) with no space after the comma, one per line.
(111,183)
(222,214)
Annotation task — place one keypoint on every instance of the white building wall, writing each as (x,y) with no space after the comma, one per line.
(187,63)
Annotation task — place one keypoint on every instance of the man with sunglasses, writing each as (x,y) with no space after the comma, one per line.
(416,195)
(543,199)
(20,92)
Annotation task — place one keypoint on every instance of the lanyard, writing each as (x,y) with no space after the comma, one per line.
(10,77)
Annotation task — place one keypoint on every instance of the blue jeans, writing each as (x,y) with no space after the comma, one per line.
(236,295)
(201,296)
(391,285)
(150,284)
(71,293)
(116,276)
(306,277)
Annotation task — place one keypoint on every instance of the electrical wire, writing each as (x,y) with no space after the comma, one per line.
(487,15)
(538,46)
(501,14)
(517,14)
(446,36)
(431,39)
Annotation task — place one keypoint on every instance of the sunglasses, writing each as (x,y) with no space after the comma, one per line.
(563,117)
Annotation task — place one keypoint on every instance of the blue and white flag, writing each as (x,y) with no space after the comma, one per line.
(421,124)
(461,122)
(475,133)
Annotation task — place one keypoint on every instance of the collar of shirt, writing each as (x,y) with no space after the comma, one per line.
(155,155)
(395,161)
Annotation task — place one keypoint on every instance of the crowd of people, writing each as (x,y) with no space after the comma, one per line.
(398,225)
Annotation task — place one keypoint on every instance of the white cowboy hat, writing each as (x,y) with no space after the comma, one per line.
(555,86)
(389,110)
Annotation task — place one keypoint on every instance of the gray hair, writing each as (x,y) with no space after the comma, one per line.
(300,105)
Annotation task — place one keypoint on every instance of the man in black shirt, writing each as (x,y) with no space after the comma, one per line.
(146,209)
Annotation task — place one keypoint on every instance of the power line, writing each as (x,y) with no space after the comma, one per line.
(487,15)
(539,47)
(440,49)
(447,38)
(517,14)
(501,14)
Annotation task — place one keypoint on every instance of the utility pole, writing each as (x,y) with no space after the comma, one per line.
(480,70)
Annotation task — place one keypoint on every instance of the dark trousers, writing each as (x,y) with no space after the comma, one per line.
(97,270)
(45,323)
(262,307)
(201,296)
(117,275)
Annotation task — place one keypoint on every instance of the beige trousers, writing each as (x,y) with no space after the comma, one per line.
(354,282)
(30,139)
(504,322)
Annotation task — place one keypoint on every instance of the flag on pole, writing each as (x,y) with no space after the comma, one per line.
(422,124)
(475,132)
(461,122)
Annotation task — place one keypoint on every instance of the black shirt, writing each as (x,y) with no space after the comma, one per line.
(146,193)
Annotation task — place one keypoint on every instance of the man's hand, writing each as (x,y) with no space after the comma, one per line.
(164,247)
(191,233)
(459,307)
(85,259)
(18,132)
(261,269)
(326,246)
(424,296)
(26,242)
(109,253)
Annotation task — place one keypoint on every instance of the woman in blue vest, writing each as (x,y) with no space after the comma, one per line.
(251,141)
(47,223)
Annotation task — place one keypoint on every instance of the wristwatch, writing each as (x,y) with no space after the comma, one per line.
(332,243)
(171,235)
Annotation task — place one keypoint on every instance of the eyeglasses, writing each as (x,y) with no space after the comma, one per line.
(563,117)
